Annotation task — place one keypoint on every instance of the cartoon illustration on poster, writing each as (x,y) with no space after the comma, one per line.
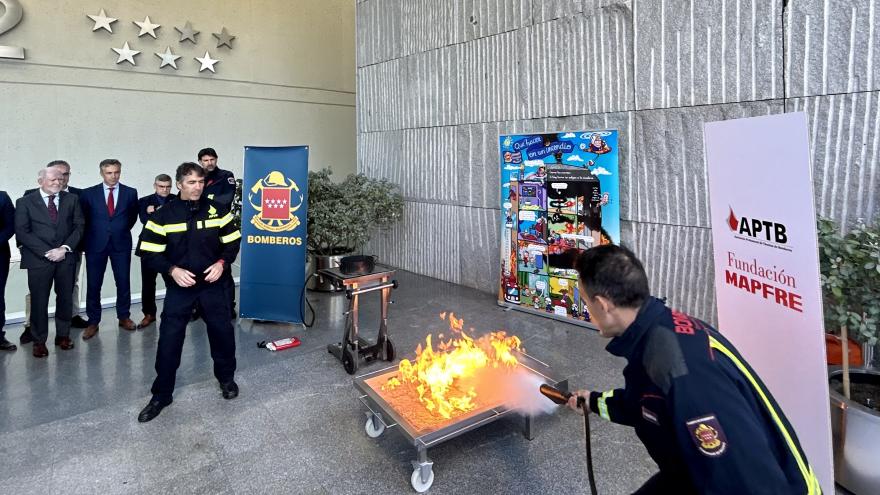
(559,191)
(532,258)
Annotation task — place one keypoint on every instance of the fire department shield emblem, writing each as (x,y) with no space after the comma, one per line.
(275,198)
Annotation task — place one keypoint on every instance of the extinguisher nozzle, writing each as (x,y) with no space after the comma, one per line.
(554,394)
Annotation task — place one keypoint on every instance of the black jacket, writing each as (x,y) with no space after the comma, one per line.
(220,187)
(189,234)
(703,414)
(151,200)
(7,224)
(37,233)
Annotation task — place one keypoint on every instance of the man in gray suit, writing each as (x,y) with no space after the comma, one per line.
(49,225)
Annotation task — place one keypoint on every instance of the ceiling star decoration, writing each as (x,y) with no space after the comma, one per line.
(168,58)
(125,54)
(207,62)
(102,21)
(147,27)
(224,38)
(187,33)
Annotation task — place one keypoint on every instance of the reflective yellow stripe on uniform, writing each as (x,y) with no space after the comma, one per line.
(154,227)
(174,227)
(152,247)
(226,239)
(603,407)
(810,479)
(219,222)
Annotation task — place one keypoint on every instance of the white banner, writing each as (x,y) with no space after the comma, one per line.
(767,267)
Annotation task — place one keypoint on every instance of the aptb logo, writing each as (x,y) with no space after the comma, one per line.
(757,229)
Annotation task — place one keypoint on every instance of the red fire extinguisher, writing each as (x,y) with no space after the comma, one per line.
(279,345)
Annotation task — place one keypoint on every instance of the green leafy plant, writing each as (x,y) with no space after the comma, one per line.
(236,205)
(343,216)
(850,265)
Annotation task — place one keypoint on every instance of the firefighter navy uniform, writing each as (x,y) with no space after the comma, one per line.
(704,415)
(192,235)
(220,187)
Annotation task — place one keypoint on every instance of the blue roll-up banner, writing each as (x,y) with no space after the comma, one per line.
(274,200)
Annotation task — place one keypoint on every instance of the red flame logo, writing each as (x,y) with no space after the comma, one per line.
(732,222)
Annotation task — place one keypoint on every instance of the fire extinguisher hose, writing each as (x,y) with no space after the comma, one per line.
(590,475)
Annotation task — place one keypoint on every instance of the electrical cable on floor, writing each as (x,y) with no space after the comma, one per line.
(304,301)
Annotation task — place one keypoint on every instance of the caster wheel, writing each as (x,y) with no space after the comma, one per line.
(372,430)
(348,361)
(389,350)
(416,480)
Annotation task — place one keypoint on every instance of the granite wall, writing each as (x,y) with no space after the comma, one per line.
(438,80)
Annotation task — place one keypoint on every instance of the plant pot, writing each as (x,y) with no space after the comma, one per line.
(834,351)
(868,354)
(855,429)
(318,262)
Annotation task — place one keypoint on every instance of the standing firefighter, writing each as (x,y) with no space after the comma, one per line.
(192,243)
(704,415)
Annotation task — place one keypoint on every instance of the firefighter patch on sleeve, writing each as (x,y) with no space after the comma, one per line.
(707,435)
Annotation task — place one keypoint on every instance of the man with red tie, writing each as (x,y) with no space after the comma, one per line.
(48,225)
(111,210)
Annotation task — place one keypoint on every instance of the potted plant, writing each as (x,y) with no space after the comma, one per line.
(342,216)
(850,265)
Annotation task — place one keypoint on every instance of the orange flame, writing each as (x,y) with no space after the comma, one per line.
(439,377)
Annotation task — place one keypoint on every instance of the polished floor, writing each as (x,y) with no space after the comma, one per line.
(68,423)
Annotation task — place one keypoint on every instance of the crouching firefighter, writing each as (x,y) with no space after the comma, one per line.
(704,415)
(192,243)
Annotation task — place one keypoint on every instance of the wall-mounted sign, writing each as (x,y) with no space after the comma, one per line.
(11,17)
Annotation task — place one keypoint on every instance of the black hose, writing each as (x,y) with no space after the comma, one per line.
(590,475)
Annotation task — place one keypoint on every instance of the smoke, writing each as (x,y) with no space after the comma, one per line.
(520,389)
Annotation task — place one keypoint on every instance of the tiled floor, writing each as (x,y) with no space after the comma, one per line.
(68,423)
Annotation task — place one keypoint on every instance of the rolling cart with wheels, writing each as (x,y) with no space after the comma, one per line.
(354,349)
(381,416)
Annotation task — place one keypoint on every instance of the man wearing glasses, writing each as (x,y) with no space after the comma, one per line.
(77,321)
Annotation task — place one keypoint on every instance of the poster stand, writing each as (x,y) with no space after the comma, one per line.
(559,196)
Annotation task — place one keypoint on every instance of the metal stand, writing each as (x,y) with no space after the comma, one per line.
(354,349)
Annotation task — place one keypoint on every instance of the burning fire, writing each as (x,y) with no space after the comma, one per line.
(444,379)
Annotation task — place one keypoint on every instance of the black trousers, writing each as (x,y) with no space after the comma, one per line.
(148,290)
(213,299)
(40,282)
(4,275)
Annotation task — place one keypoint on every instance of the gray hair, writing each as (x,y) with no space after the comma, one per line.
(45,171)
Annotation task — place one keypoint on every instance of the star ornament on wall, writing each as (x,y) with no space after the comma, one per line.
(102,21)
(125,54)
(187,33)
(147,27)
(224,38)
(168,58)
(207,62)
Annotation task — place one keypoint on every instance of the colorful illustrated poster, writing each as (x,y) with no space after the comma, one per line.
(559,193)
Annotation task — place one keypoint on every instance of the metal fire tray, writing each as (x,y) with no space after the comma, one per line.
(381,415)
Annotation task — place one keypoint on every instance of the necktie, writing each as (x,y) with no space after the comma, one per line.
(53,211)
(110,204)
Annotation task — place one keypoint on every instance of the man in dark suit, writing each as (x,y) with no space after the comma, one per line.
(7,229)
(76,321)
(110,209)
(48,225)
(146,207)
